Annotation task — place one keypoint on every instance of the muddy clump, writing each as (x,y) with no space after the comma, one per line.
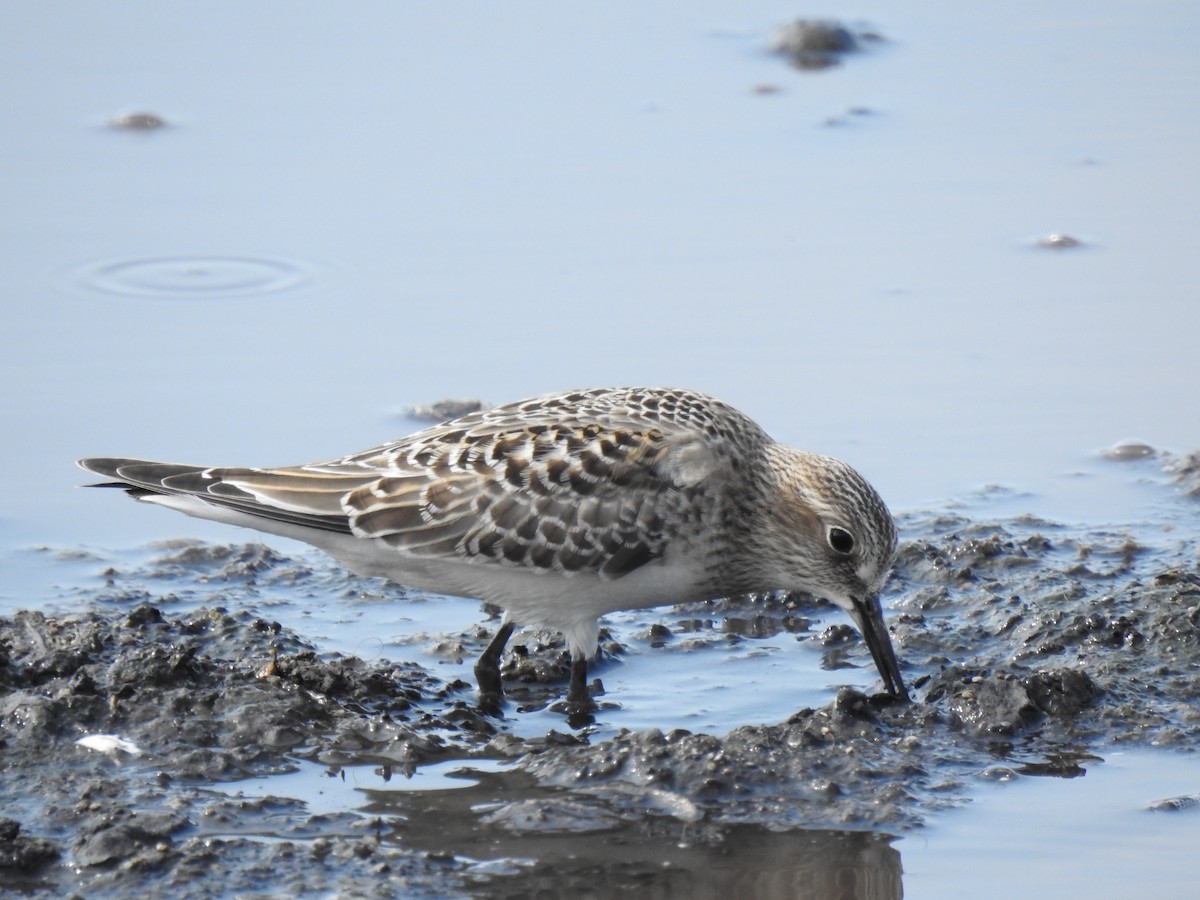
(443,410)
(137,121)
(199,699)
(1185,471)
(815,44)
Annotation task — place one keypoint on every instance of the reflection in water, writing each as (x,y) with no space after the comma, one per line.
(562,843)
(746,862)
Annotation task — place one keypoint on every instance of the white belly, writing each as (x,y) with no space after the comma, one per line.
(566,602)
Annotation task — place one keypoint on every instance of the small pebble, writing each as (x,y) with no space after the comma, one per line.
(1129,450)
(1059,242)
(139,121)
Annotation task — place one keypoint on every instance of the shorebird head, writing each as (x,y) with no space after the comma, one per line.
(831,535)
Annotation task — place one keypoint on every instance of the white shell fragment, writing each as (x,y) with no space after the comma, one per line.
(109,743)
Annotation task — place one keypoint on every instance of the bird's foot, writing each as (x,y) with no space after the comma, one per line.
(491,693)
(579,713)
(487,673)
(579,706)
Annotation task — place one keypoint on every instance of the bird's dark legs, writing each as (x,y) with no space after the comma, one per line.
(580,705)
(577,691)
(487,670)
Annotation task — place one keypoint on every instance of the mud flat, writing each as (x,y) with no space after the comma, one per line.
(206,751)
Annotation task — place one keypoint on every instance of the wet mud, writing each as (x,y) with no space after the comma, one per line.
(1032,648)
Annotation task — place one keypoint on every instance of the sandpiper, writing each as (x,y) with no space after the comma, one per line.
(565,507)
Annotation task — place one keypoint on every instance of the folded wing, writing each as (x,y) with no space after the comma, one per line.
(549,497)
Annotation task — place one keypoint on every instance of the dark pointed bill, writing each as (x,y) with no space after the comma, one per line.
(868,616)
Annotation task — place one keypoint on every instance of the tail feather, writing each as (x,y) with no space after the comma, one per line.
(145,479)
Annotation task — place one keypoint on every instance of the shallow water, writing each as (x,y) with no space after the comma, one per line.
(347,214)
(1093,836)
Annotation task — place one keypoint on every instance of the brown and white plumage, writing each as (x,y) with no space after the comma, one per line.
(564,507)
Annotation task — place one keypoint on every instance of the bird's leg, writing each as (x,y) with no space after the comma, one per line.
(577,690)
(487,671)
(579,705)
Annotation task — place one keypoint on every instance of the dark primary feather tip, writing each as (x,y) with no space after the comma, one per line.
(101,465)
(108,467)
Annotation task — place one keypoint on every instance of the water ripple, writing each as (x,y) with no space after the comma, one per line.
(196,277)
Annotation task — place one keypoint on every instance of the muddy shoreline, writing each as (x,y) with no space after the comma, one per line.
(1032,647)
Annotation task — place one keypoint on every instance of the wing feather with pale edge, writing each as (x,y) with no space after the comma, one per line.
(591,481)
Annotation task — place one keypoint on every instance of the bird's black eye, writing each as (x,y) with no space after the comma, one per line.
(841,540)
